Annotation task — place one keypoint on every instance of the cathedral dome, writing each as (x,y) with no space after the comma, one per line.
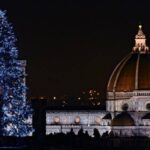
(133,72)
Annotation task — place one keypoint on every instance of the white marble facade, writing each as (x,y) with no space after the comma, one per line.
(136,101)
(64,121)
(128,100)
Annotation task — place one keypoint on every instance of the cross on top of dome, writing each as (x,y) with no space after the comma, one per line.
(140,42)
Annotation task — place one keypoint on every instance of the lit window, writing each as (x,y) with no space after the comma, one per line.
(97,120)
(56,119)
(77,119)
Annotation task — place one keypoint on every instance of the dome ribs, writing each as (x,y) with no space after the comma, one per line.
(126,79)
(112,79)
(144,72)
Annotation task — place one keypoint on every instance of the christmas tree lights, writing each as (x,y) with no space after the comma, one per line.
(15,112)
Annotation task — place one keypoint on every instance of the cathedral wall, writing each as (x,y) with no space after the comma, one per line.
(136,103)
(64,121)
(75,117)
(132,131)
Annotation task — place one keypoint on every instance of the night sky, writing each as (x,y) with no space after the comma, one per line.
(71,46)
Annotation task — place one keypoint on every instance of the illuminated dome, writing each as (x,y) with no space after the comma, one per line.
(123,119)
(133,72)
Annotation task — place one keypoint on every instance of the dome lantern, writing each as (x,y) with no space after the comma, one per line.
(140,42)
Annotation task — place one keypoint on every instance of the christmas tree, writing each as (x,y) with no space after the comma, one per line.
(15,112)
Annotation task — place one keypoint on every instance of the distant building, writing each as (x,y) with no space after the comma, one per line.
(128,100)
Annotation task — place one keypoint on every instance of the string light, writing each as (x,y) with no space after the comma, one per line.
(16,114)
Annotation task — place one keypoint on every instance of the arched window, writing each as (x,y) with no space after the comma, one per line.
(148,106)
(77,120)
(98,120)
(56,120)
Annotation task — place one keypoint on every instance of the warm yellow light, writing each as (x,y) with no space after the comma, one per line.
(54,98)
(77,119)
(79,98)
(97,120)
(56,119)
(140,26)
(41,97)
